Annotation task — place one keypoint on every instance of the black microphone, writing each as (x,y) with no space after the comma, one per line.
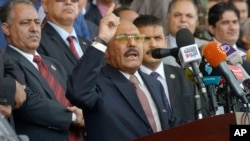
(159,53)
(189,55)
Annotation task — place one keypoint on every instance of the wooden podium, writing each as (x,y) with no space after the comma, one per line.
(214,128)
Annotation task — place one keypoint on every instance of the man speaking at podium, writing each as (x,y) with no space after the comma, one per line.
(119,102)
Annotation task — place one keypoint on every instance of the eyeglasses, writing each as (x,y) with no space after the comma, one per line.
(124,38)
(73,1)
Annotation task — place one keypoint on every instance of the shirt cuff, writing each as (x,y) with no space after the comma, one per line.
(99,46)
(73,117)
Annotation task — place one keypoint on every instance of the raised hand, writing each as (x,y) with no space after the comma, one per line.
(108,25)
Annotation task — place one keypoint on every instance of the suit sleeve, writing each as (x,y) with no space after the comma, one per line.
(8,74)
(82,89)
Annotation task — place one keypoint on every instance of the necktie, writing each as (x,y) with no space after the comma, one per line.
(144,102)
(155,76)
(72,46)
(57,90)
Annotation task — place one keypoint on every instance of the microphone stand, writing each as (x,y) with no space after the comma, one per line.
(201,89)
(212,97)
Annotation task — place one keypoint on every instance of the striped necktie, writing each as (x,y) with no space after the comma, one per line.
(58,91)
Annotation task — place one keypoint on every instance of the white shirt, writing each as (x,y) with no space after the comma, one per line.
(64,35)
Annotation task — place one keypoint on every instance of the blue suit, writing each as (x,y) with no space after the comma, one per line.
(112,110)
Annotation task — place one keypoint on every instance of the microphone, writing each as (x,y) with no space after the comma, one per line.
(216,57)
(248,55)
(189,51)
(189,55)
(234,58)
(159,53)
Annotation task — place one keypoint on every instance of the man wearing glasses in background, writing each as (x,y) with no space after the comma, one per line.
(59,39)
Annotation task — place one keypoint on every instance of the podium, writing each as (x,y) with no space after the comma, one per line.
(214,128)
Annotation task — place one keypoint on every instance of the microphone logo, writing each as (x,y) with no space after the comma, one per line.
(191,52)
(226,48)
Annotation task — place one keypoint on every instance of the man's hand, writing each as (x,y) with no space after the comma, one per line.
(20,96)
(79,122)
(108,25)
(6,110)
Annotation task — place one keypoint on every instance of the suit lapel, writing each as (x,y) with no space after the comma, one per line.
(171,84)
(27,66)
(52,33)
(127,91)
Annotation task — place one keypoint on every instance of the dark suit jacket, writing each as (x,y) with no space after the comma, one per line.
(93,14)
(52,45)
(41,117)
(112,110)
(8,74)
(181,92)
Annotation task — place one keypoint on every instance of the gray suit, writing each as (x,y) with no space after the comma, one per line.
(52,45)
(41,117)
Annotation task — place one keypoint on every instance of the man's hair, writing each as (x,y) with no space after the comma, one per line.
(147,20)
(6,9)
(215,13)
(118,10)
(173,2)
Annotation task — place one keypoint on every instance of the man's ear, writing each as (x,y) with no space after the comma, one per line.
(5,28)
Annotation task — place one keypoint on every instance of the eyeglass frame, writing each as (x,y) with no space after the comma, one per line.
(127,37)
(73,1)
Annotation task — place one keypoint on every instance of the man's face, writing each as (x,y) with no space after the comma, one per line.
(125,50)
(61,12)
(242,7)
(154,38)
(226,30)
(23,31)
(182,15)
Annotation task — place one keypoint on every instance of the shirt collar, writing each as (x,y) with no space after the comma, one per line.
(64,34)
(159,70)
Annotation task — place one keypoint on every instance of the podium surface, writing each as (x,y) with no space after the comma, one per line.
(216,128)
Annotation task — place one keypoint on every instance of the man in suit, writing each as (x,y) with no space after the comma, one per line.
(224,25)
(112,109)
(181,14)
(180,91)
(44,116)
(60,16)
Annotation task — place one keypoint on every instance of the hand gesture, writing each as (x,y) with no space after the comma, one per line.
(108,25)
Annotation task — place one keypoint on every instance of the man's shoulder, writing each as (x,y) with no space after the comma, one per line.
(200,42)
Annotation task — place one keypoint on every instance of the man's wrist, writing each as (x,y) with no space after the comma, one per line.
(100,40)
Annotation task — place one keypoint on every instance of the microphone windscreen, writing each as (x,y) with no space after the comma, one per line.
(156,53)
(184,37)
(248,55)
(214,53)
